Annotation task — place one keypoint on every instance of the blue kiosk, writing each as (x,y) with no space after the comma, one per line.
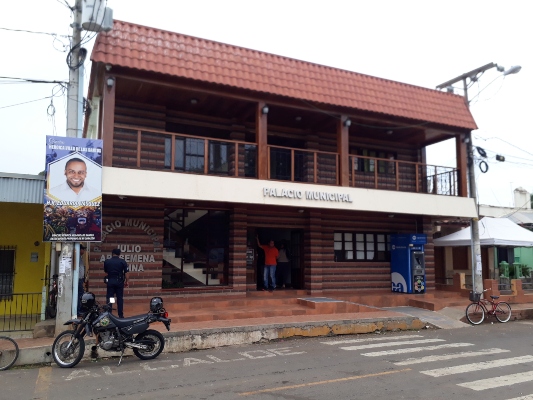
(408,269)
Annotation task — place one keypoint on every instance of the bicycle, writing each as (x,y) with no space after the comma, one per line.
(9,352)
(475,312)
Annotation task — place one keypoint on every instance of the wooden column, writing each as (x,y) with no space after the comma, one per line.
(237,250)
(313,258)
(261,140)
(343,149)
(108,120)
(462,160)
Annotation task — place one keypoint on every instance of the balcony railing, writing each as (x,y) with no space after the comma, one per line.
(160,150)
(385,174)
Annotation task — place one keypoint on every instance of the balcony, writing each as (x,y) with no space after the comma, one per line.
(166,151)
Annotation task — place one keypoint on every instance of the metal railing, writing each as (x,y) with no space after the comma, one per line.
(406,176)
(19,311)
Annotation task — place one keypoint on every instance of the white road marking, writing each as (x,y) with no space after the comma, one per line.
(371,339)
(491,383)
(388,344)
(451,356)
(459,369)
(527,397)
(415,349)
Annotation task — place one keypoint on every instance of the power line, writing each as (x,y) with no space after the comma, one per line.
(33,80)
(34,32)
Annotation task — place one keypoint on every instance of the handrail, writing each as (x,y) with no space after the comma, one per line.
(296,164)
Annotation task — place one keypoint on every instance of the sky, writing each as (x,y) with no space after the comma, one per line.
(419,42)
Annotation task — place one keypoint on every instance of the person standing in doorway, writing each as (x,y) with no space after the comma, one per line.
(116,269)
(283,268)
(271,260)
(81,277)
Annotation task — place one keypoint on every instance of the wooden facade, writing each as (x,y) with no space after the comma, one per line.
(178,127)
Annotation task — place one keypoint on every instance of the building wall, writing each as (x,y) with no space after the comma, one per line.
(137,225)
(22,227)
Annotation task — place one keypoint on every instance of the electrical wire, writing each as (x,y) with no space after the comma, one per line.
(35,32)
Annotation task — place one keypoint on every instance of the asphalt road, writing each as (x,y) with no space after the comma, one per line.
(491,361)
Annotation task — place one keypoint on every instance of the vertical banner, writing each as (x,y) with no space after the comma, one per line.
(73,190)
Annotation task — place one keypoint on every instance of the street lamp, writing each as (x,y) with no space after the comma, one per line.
(469,77)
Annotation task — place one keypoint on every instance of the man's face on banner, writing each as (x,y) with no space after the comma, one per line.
(76,171)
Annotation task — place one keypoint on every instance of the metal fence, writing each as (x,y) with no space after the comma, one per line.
(19,311)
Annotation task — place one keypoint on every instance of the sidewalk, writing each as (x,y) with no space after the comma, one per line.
(266,317)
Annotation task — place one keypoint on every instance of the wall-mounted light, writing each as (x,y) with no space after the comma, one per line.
(110,82)
(190,204)
(300,211)
(108,67)
(298,119)
(264,110)
(348,122)
(194,101)
(389,132)
(121,197)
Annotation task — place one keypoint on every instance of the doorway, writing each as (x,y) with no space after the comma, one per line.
(290,274)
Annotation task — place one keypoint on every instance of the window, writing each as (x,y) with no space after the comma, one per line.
(7,270)
(350,246)
(369,164)
(218,157)
(188,154)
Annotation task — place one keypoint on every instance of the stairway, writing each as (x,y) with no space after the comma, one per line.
(255,305)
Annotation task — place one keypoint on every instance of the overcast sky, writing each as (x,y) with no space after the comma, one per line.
(423,43)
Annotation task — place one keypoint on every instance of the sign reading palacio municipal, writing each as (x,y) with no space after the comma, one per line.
(307,195)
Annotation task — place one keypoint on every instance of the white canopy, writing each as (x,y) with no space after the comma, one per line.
(492,232)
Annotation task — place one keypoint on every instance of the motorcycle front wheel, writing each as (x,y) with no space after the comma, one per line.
(67,349)
(155,342)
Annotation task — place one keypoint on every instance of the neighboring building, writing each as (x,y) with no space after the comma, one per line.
(451,260)
(207,145)
(24,258)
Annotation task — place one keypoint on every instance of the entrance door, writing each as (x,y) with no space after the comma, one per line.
(251,260)
(291,239)
(297,270)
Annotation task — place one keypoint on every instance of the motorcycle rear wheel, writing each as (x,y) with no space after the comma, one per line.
(156,345)
(68,350)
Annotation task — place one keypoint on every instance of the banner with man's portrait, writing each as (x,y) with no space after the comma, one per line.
(73,190)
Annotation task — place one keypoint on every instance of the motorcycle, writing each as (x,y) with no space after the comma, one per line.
(111,333)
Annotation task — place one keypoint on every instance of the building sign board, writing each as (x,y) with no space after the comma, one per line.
(73,190)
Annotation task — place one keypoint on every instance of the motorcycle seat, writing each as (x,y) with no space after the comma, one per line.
(123,322)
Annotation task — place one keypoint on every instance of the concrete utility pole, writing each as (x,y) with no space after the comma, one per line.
(67,302)
(477,277)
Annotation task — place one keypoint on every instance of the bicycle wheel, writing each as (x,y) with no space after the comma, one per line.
(475,313)
(503,312)
(9,352)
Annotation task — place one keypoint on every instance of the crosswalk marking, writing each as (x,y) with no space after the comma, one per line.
(492,383)
(459,369)
(372,339)
(370,346)
(451,356)
(528,397)
(415,349)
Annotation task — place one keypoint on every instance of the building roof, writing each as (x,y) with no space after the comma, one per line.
(148,49)
(19,188)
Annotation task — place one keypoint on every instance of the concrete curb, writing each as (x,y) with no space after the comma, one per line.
(197,339)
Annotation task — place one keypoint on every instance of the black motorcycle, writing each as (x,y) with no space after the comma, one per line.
(112,333)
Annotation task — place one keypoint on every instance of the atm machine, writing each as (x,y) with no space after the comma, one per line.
(408,269)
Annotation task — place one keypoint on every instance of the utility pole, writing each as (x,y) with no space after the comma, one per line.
(473,76)
(67,302)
